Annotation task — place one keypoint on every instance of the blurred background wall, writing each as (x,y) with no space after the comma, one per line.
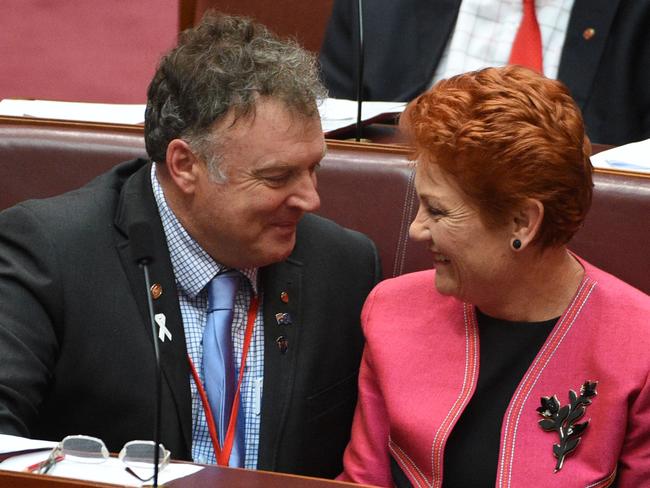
(83,50)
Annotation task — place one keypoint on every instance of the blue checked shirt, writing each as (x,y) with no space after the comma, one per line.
(194,269)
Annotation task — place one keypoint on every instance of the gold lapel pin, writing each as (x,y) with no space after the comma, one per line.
(156,291)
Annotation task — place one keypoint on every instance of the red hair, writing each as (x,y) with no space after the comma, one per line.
(504,135)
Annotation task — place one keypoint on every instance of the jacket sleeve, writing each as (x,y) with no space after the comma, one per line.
(30,304)
(336,57)
(634,462)
(366,459)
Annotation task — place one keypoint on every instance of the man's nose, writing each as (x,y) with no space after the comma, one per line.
(306,197)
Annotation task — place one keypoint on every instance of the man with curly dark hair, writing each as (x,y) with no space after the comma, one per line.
(234,137)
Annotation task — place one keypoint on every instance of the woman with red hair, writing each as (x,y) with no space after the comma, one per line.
(514,362)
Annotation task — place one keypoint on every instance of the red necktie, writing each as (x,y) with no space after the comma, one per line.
(527,48)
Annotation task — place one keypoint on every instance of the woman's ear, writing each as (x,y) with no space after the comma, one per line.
(526,223)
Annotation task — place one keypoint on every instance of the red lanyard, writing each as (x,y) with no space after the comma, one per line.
(223,455)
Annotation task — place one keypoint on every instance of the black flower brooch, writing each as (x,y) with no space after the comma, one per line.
(562,419)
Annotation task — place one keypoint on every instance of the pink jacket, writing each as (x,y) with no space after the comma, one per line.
(420,368)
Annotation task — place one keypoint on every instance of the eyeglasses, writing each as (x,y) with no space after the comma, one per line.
(137,456)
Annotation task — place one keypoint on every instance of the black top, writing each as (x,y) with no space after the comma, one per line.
(506,351)
(472,452)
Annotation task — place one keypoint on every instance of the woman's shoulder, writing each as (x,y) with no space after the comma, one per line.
(411,293)
(420,282)
(611,287)
(616,299)
(410,306)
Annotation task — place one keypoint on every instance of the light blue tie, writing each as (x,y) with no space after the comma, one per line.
(218,364)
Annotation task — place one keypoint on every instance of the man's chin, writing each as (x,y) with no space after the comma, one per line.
(276,251)
(286,248)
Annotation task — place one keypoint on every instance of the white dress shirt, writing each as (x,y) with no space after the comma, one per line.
(486,29)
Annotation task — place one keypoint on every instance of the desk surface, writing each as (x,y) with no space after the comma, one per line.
(211,476)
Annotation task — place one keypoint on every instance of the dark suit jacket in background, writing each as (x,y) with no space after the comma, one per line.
(75,342)
(608,75)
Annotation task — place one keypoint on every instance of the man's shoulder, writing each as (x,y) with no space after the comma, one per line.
(79,214)
(317,231)
(95,197)
(323,244)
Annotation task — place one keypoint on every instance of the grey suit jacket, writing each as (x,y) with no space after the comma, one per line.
(607,74)
(76,349)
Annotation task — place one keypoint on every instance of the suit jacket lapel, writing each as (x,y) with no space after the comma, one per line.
(581,56)
(279,367)
(137,204)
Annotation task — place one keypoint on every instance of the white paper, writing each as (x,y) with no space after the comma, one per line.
(336,113)
(110,471)
(107,113)
(630,157)
(9,443)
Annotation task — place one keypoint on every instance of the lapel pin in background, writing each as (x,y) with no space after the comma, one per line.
(163,330)
(156,291)
(283,318)
(284,297)
(283,344)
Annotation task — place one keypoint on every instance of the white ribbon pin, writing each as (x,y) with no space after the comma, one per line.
(163,331)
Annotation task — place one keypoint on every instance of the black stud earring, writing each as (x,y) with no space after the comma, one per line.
(516,244)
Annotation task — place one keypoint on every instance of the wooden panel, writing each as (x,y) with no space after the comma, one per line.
(303,20)
(209,477)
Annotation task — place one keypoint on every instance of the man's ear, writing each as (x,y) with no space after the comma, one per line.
(182,165)
(527,223)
